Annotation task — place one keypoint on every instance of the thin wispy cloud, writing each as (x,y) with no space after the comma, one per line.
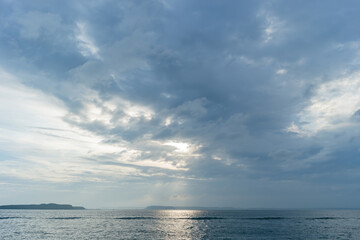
(85,43)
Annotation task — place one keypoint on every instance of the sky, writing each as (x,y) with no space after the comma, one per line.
(223,103)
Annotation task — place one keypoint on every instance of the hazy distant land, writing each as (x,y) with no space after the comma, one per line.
(187,208)
(43,206)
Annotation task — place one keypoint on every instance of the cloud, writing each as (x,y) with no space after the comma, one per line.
(272,26)
(281,71)
(242,98)
(34,135)
(34,24)
(332,105)
(85,44)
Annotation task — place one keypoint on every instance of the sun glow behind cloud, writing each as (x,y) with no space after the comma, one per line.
(34,129)
(181,147)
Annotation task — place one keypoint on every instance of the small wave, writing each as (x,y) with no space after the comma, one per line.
(324,218)
(201,218)
(1,218)
(64,218)
(266,218)
(135,218)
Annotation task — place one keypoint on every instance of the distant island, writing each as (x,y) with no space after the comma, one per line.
(187,208)
(43,206)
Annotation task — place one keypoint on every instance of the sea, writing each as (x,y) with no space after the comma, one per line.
(179,224)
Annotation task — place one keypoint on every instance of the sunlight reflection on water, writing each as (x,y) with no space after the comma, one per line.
(179,224)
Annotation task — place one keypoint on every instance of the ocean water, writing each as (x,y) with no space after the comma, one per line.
(179,224)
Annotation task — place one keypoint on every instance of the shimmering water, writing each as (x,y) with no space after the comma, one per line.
(179,224)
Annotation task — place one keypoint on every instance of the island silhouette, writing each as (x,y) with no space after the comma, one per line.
(43,206)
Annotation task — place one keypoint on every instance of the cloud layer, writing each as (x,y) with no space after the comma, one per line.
(244,104)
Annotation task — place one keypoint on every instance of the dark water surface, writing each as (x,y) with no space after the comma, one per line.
(179,224)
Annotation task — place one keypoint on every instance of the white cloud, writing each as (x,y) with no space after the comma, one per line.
(180,146)
(293,128)
(113,112)
(272,27)
(33,135)
(281,71)
(168,121)
(85,44)
(332,106)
